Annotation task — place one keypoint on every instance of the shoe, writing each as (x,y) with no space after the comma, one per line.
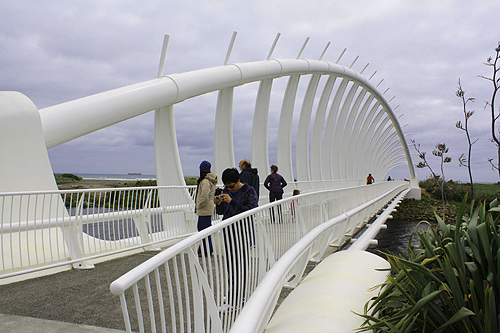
(226,307)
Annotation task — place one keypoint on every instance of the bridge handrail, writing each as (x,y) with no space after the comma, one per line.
(57,223)
(258,310)
(207,289)
(134,275)
(100,189)
(46,229)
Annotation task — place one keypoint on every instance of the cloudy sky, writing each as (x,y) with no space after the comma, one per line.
(57,51)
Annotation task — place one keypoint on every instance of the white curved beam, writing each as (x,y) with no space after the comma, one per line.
(336,156)
(348,136)
(284,149)
(317,132)
(260,145)
(358,144)
(373,145)
(70,120)
(355,137)
(302,139)
(328,137)
(379,159)
(223,134)
(168,163)
(365,141)
(388,154)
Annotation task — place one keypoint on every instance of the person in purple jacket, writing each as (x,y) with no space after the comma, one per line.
(275,184)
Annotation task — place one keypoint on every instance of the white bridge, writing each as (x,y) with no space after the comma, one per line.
(346,129)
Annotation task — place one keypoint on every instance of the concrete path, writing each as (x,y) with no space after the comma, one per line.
(71,301)
(18,324)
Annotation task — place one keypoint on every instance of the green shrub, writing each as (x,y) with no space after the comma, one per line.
(66,177)
(448,283)
(191,180)
(452,191)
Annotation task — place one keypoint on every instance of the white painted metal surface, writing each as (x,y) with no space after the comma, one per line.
(354,132)
(69,120)
(194,289)
(95,223)
(257,312)
(330,298)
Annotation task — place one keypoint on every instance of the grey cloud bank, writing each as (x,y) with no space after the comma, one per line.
(62,50)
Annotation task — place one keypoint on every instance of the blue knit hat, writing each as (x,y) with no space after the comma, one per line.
(205,166)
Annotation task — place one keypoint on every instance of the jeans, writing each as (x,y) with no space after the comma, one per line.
(203,223)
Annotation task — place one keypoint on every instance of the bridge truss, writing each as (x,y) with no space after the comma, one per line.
(345,130)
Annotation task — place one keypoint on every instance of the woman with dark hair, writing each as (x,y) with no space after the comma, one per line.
(275,184)
(204,200)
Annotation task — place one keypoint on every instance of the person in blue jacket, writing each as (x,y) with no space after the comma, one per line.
(236,198)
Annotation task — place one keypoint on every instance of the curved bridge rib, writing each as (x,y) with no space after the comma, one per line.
(67,121)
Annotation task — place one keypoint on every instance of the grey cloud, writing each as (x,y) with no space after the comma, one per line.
(59,51)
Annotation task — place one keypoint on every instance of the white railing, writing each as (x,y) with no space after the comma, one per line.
(40,230)
(179,290)
(258,310)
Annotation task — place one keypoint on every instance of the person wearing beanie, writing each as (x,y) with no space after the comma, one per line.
(204,201)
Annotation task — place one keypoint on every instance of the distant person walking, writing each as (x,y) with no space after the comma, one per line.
(249,175)
(370,179)
(275,184)
(294,206)
(204,201)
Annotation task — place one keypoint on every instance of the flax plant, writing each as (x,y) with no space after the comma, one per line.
(448,283)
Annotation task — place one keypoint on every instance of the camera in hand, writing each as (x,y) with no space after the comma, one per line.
(218,192)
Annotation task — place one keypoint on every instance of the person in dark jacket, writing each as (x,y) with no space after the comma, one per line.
(236,198)
(275,184)
(249,175)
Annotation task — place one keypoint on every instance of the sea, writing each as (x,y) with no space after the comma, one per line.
(105,176)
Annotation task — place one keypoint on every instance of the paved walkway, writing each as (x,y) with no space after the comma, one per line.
(18,324)
(71,301)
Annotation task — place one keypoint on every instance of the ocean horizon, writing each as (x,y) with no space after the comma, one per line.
(114,176)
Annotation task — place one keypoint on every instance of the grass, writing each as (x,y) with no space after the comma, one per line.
(63,178)
(485,189)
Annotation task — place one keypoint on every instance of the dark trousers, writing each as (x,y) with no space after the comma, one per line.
(275,196)
(238,238)
(203,223)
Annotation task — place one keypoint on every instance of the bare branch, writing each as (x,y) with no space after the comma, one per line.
(462,160)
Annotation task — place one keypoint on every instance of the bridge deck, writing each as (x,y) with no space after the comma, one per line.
(73,297)
(76,296)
